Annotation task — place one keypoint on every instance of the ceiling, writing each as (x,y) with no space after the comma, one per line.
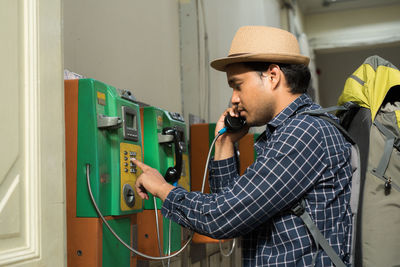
(317,6)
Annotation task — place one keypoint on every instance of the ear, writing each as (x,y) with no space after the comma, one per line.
(275,75)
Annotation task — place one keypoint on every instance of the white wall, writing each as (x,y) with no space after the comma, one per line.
(136,45)
(355,27)
(127,44)
(32,201)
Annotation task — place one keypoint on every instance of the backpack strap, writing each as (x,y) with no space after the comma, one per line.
(384,162)
(300,211)
(299,208)
(324,110)
(321,114)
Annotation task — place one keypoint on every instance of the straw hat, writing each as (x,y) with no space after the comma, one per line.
(262,44)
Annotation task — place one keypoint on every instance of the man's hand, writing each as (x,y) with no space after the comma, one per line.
(224,144)
(151,181)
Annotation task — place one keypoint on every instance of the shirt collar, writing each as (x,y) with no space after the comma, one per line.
(290,110)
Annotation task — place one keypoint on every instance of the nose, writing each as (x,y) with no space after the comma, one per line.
(235,99)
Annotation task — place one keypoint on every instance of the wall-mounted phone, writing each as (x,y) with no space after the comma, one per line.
(165,148)
(109,135)
(102,132)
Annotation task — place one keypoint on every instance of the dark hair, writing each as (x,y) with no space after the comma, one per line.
(297,75)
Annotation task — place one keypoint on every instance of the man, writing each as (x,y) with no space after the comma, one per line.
(300,157)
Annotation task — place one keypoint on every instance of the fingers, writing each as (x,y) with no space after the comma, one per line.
(232,111)
(142,192)
(140,189)
(150,182)
(140,164)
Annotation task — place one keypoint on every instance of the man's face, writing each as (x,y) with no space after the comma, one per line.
(252,96)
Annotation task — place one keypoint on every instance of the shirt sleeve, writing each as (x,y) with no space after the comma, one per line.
(222,174)
(292,163)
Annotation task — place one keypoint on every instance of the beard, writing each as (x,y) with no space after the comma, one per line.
(262,115)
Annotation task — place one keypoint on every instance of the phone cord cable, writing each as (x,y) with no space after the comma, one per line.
(221,132)
(169,241)
(158,230)
(230,251)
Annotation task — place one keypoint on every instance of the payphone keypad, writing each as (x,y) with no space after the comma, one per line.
(129,173)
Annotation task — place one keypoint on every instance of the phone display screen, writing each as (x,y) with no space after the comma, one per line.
(130,121)
(130,125)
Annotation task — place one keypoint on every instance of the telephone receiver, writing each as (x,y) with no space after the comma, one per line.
(234,124)
(173,174)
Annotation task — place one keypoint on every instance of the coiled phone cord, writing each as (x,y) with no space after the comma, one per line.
(116,235)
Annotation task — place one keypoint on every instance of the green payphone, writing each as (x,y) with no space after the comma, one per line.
(102,129)
(165,149)
(108,136)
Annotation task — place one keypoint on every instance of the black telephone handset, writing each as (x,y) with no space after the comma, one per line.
(173,174)
(234,124)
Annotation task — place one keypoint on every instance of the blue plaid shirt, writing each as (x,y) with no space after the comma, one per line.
(299,156)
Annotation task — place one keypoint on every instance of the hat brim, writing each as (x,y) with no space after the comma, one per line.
(221,63)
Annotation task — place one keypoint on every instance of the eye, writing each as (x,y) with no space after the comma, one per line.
(237,86)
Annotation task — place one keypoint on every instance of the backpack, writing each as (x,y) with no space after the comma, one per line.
(369,113)
(375,127)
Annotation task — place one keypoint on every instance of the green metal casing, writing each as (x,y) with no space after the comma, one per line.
(101,149)
(114,253)
(161,157)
